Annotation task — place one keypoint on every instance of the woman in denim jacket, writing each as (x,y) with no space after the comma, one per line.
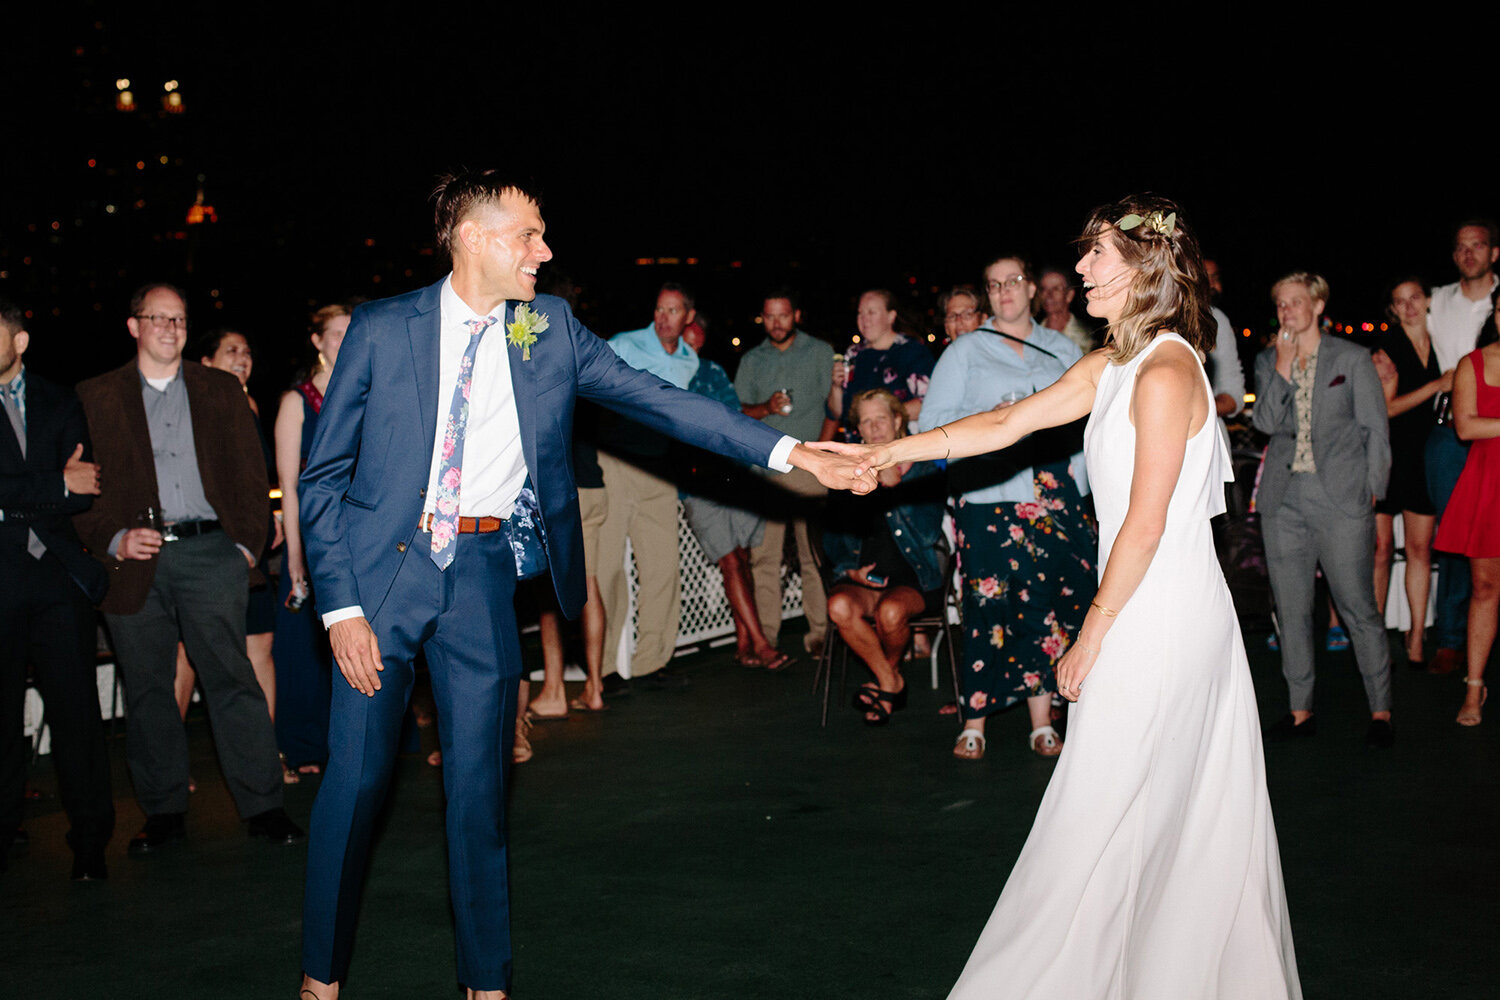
(890,563)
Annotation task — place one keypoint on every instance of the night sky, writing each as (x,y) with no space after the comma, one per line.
(767,147)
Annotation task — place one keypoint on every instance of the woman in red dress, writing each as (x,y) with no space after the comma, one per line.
(1471,523)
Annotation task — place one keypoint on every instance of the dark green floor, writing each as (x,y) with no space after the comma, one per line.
(715,843)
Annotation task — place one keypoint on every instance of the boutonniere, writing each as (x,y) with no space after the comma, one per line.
(522,332)
(1338,380)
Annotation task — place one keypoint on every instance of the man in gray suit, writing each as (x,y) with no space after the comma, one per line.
(1328,462)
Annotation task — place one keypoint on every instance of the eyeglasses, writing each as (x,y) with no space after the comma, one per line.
(1014,281)
(961,314)
(180,322)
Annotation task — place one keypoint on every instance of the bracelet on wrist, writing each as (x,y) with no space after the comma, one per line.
(1106,612)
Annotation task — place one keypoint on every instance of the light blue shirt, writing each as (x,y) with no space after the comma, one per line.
(642,349)
(975,374)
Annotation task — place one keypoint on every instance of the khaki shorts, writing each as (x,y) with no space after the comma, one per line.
(593,504)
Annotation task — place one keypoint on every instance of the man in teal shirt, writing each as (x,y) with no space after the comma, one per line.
(784,381)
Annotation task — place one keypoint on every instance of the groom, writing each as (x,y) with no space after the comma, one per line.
(438,476)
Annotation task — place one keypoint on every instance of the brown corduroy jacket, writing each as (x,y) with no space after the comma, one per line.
(229,461)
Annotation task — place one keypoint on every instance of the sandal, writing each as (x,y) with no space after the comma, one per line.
(520,750)
(873,701)
(969,745)
(779,662)
(750,660)
(1473,718)
(579,704)
(1045,742)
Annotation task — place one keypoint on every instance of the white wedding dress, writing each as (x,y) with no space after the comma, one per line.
(1152,871)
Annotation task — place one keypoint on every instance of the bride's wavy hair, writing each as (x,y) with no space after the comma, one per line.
(1169,290)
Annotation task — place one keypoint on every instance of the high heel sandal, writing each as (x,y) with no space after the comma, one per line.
(1473,718)
(873,701)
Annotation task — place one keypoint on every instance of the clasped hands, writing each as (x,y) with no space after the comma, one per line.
(841,466)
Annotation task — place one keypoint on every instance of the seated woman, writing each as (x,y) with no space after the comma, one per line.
(890,565)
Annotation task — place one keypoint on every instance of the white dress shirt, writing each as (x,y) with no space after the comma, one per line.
(1454,322)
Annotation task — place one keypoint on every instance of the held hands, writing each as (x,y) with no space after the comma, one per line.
(80,476)
(357,653)
(868,458)
(834,468)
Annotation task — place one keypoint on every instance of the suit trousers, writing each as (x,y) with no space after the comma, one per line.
(45,619)
(463,618)
(802,500)
(642,507)
(1444,460)
(199,595)
(1307,530)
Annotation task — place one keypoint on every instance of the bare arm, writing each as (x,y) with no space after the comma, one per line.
(1064,401)
(1467,422)
(288,436)
(1167,402)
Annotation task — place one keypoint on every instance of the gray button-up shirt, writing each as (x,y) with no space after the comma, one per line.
(178,483)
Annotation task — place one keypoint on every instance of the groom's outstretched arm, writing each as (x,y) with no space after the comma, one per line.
(696,419)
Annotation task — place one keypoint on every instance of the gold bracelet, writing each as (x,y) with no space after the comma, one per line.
(1106,612)
(950,446)
(1086,649)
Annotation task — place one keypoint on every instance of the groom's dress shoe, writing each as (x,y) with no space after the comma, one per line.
(276,826)
(160,831)
(1287,728)
(88,866)
(1381,735)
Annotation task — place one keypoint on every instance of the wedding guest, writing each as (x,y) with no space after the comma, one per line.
(1026,547)
(1455,317)
(230,351)
(726,531)
(303,659)
(1225,373)
(962,310)
(1471,525)
(1327,464)
(782,381)
(887,554)
(1054,304)
(881,359)
(1410,378)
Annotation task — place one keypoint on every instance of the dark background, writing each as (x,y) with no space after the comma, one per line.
(899,153)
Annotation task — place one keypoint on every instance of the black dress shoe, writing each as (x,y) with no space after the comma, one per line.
(161,830)
(276,826)
(1288,728)
(1381,735)
(665,679)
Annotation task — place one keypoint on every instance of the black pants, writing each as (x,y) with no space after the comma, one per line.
(199,595)
(46,620)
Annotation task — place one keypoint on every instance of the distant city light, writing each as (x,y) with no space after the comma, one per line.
(122,84)
(169,86)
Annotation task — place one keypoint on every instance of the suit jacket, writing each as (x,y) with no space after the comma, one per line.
(1350,439)
(32,492)
(365,484)
(230,463)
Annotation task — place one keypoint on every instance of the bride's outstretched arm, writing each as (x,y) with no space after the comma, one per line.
(1064,401)
(1168,391)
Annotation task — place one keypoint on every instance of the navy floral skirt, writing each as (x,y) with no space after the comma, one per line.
(1028,577)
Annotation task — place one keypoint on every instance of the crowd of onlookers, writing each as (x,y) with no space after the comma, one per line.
(143,494)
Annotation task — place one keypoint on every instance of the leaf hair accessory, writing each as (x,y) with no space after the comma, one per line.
(1155,222)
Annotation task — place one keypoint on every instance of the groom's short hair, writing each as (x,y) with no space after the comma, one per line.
(457,193)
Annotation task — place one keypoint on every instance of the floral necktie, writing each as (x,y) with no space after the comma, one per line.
(450,467)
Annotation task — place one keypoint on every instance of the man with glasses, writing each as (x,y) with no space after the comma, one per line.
(1055,294)
(643,503)
(182,512)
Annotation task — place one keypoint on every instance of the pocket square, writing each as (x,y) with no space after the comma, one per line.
(1338,380)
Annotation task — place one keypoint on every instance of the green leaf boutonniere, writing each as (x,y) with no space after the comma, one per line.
(522,332)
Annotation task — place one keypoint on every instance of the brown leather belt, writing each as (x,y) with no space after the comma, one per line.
(466,525)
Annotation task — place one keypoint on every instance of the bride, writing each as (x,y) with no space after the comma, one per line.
(1152,870)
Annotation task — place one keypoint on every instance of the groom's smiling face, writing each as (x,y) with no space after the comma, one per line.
(503,240)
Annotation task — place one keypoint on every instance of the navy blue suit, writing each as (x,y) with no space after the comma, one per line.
(362,494)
